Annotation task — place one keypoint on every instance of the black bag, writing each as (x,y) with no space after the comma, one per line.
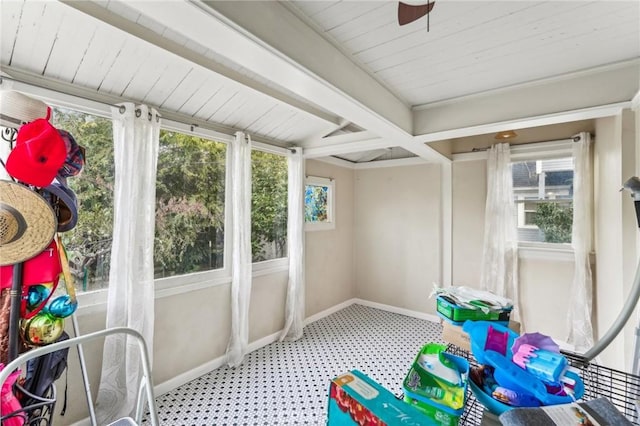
(43,371)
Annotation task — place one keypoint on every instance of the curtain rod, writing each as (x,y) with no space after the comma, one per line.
(171,116)
(573,139)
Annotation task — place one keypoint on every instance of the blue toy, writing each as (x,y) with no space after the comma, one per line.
(509,375)
(545,365)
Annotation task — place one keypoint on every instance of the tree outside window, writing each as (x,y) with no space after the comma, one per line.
(543,193)
(269,181)
(89,243)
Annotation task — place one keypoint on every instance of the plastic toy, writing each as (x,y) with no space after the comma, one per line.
(508,375)
(440,367)
(545,365)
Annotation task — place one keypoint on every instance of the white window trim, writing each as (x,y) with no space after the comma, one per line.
(543,151)
(331,217)
(95,301)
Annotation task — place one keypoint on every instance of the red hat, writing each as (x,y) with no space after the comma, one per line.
(39,153)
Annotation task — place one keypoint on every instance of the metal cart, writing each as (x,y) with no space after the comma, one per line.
(622,389)
(41,412)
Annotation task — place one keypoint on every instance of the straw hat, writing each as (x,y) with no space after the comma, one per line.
(17,108)
(27,223)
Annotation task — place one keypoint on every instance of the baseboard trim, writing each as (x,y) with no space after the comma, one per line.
(327,312)
(187,376)
(401,311)
(207,367)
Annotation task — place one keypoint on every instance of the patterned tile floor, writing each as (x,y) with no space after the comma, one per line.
(285,383)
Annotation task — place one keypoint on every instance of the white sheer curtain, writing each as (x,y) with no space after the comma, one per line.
(500,251)
(136,130)
(240,160)
(294,314)
(579,315)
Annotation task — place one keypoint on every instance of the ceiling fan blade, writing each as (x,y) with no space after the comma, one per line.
(407,13)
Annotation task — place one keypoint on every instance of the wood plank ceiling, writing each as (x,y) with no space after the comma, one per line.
(58,42)
(471,47)
(476,46)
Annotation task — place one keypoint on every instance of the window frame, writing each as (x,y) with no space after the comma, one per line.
(331,196)
(94,301)
(264,267)
(543,151)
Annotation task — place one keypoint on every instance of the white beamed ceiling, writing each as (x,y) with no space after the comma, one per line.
(53,40)
(477,46)
(291,73)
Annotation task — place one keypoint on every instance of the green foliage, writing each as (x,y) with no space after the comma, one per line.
(268,206)
(555,221)
(189,204)
(89,245)
(190,197)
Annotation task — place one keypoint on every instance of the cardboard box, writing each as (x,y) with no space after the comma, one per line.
(355,399)
(454,334)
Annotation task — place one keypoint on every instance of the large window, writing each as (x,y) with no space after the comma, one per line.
(190,189)
(268,206)
(89,243)
(190,203)
(543,192)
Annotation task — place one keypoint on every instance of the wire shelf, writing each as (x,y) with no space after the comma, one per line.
(39,409)
(622,389)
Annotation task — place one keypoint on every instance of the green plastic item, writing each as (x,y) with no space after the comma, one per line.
(457,313)
(441,417)
(425,384)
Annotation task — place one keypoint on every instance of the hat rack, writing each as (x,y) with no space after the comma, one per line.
(9,135)
(25,108)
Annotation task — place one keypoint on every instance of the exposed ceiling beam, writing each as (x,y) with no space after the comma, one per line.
(270,40)
(557,95)
(348,147)
(265,38)
(337,162)
(542,120)
(99,12)
(339,139)
(372,155)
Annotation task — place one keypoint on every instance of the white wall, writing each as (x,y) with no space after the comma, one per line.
(616,232)
(397,232)
(330,254)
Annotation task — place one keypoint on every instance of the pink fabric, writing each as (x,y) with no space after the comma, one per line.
(8,401)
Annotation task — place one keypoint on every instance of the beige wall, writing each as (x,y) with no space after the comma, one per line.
(397,217)
(468,202)
(329,254)
(191,329)
(544,284)
(545,292)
